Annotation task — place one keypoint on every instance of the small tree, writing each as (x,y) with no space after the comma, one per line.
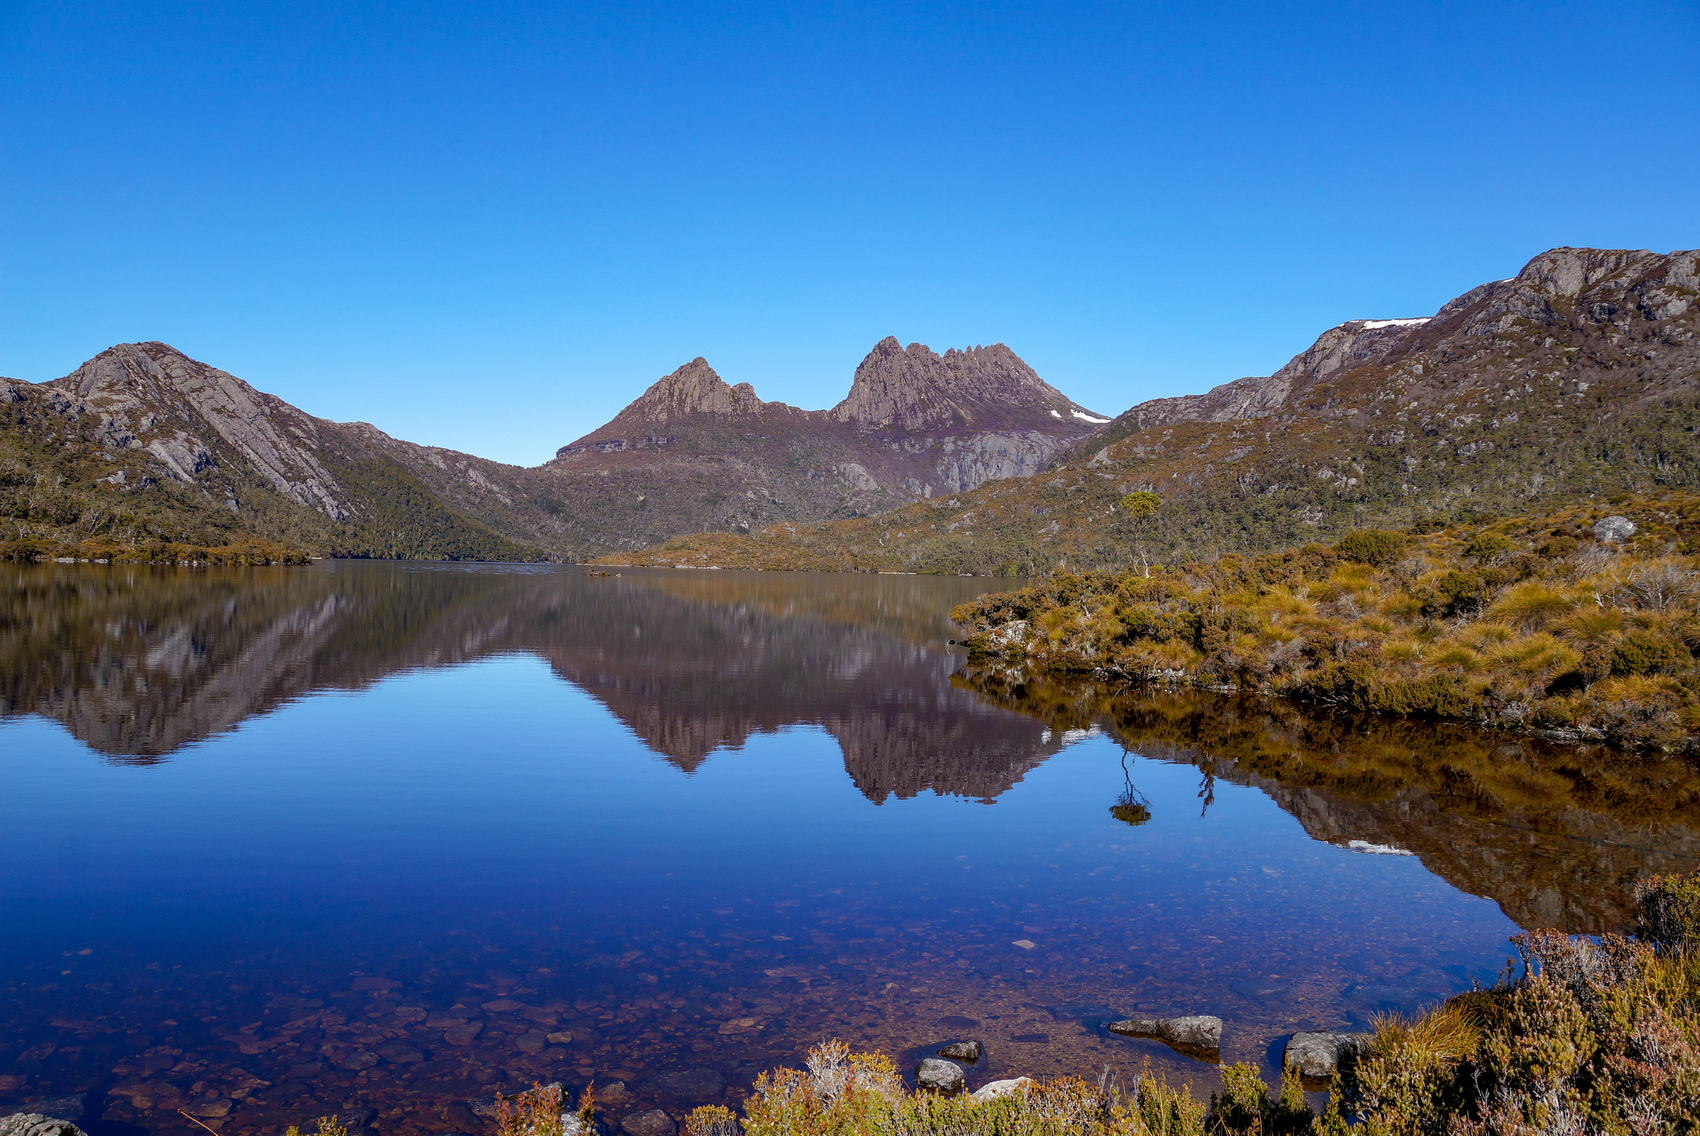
(1140,506)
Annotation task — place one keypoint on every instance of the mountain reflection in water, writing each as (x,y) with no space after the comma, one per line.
(464,869)
(140,663)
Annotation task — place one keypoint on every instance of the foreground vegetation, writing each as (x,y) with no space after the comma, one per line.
(1581,622)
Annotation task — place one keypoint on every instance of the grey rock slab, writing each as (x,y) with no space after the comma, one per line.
(940,1076)
(962,1050)
(1319,1053)
(651,1123)
(37,1124)
(1192,1031)
(1611,530)
(993,1090)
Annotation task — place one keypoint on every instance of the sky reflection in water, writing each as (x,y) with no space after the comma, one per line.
(695,820)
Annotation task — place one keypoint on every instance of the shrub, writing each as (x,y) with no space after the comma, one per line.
(1645,652)
(1668,911)
(1488,545)
(1372,546)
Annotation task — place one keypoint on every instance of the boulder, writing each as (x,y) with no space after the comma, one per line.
(1319,1053)
(962,1050)
(1200,1033)
(992,1090)
(37,1124)
(939,1076)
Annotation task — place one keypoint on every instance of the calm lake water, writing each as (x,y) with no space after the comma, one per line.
(282,842)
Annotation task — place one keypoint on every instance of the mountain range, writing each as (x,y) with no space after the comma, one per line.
(144,443)
(1576,377)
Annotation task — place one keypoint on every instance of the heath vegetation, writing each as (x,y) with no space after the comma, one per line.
(1582,621)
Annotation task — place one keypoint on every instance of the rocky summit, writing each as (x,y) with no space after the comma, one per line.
(693,453)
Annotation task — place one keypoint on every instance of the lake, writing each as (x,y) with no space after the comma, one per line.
(281,842)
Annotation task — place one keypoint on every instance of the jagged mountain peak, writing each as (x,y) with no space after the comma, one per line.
(915,388)
(694,388)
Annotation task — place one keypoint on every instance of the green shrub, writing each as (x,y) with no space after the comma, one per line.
(1646,652)
(1488,545)
(1668,911)
(1372,546)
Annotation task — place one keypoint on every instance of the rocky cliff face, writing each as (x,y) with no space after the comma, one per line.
(151,398)
(915,389)
(144,443)
(1556,290)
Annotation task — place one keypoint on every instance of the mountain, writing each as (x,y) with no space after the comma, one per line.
(693,453)
(139,665)
(1576,378)
(144,444)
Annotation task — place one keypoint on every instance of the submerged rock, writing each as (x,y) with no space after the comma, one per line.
(939,1076)
(1192,1033)
(962,1050)
(1319,1053)
(651,1123)
(693,1084)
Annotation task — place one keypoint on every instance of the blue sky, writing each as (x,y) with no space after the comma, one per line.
(489,226)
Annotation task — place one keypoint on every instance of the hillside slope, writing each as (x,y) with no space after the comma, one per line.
(1576,378)
(144,444)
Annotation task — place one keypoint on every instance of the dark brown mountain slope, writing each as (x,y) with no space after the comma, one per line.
(1576,378)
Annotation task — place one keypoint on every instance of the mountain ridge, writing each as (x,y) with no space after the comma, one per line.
(144,443)
(1577,376)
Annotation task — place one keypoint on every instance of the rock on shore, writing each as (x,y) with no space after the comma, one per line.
(1196,1032)
(1319,1053)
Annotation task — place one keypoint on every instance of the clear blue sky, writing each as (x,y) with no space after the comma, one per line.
(488,226)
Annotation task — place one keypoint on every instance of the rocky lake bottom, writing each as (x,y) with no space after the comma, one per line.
(382,840)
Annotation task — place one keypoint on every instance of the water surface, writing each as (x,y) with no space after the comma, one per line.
(277,842)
